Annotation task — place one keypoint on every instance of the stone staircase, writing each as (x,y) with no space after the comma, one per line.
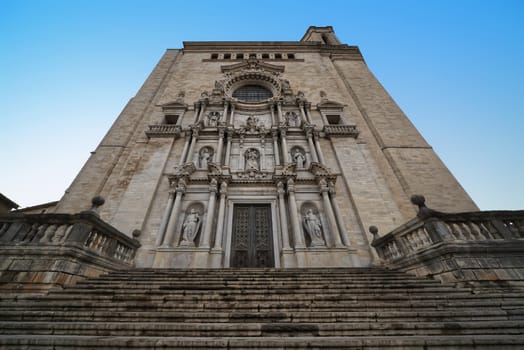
(336,308)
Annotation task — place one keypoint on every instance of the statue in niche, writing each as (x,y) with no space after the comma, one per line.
(212,119)
(252,159)
(313,227)
(299,159)
(252,122)
(190,228)
(205,157)
(292,119)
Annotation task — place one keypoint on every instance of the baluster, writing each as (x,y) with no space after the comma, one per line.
(407,243)
(424,236)
(455,231)
(396,252)
(494,231)
(23,235)
(90,238)
(465,231)
(4,226)
(483,230)
(418,239)
(59,234)
(412,242)
(474,231)
(40,233)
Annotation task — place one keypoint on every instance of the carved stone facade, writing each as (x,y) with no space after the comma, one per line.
(275,154)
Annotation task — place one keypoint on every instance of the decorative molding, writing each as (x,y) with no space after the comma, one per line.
(252,65)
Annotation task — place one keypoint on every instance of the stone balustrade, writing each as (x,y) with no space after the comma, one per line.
(477,248)
(422,233)
(163,130)
(84,230)
(341,130)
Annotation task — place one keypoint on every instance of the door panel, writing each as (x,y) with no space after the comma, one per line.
(252,237)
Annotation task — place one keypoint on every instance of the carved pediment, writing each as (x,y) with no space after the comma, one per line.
(175,107)
(289,169)
(252,64)
(320,170)
(327,104)
(214,169)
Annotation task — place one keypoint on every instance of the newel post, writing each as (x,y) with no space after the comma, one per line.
(433,224)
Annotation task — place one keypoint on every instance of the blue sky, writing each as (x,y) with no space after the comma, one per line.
(67,68)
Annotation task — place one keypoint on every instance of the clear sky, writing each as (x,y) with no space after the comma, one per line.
(67,68)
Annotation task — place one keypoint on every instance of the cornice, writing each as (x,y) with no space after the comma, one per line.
(342,51)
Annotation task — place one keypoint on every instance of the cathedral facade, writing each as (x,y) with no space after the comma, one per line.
(261,154)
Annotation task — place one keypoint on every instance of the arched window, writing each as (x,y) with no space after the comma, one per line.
(252,93)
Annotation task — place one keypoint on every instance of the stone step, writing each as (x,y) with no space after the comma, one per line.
(182,304)
(349,329)
(264,316)
(476,342)
(199,289)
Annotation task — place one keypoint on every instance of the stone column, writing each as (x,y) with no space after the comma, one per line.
(206,237)
(231,117)
(183,156)
(221,212)
(165,218)
(329,213)
(316,141)
(285,152)
(224,114)
(276,151)
(273,121)
(230,133)
(302,113)
(194,140)
(283,217)
(202,110)
(295,222)
(220,147)
(197,113)
(170,231)
(279,109)
(338,215)
(312,149)
(308,118)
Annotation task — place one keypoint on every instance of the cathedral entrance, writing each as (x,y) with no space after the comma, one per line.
(251,244)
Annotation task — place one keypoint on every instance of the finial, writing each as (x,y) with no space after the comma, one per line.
(136,233)
(423,211)
(374,231)
(96,202)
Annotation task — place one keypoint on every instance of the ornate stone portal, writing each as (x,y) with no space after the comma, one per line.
(255,167)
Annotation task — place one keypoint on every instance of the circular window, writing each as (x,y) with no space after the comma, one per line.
(252,93)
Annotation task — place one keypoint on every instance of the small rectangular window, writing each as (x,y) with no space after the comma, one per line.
(227,56)
(265,55)
(240,56)
(333,119)
(252,55)
(278,56)
(214,56)
(171,118)
(291,56)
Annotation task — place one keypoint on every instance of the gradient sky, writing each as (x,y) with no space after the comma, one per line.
(67,68)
